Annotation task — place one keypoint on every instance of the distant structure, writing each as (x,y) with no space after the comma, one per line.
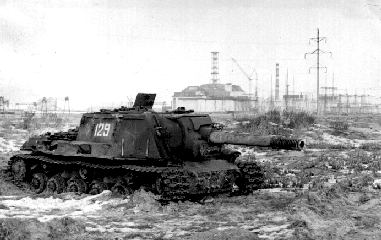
(277,82)
(213,97)
(249,77)
(44,107)
(66,106)
(218,97)
(3,103)
(215,68)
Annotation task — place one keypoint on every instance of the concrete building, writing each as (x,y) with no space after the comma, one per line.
(214,97)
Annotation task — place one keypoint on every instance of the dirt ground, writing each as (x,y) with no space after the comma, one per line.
(327,191)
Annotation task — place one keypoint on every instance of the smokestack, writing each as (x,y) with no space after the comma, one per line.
(277,82)
(215,68)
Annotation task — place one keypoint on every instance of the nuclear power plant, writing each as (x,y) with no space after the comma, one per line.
(221,95)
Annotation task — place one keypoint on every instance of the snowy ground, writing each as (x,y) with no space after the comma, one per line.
(115,216)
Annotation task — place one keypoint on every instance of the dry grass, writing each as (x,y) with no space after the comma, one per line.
(277,123)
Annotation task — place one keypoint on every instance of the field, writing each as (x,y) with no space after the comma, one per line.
(330,190)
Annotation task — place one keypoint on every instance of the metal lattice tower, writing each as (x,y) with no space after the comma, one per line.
(215,67)
(318,51)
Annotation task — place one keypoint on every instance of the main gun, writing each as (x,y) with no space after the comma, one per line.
(273,141)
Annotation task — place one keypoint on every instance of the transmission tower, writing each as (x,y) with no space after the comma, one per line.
(317,52)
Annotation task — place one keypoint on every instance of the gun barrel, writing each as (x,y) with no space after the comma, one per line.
(273,141)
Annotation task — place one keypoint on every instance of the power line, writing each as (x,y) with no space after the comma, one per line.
(317,52)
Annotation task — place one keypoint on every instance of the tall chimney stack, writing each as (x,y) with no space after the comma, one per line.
(215,69)
(277,82)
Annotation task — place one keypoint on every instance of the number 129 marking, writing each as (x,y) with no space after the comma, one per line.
(102,129)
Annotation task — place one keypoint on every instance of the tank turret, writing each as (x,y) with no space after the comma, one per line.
(175,154)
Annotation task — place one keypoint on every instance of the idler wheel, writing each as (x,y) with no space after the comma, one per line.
(121,188)
(76,185)
(56,184)
(97,187)
(19,170)
(38,182)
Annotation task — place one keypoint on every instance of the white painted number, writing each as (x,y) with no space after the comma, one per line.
(102,129)
(107,129)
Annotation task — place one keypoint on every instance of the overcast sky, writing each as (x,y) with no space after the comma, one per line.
(102,51)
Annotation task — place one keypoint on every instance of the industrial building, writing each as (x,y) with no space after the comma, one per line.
(213,97)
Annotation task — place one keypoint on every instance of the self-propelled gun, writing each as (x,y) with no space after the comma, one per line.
(177,154)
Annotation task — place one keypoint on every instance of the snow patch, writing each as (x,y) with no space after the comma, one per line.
(40,207)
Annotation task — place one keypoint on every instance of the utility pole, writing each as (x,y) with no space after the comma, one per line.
(317,52)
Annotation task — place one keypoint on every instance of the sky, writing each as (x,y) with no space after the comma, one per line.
(96,51)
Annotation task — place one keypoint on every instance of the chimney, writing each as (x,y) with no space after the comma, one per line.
(277,82)
(215,70)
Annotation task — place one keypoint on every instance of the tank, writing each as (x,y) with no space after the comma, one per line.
(176,155)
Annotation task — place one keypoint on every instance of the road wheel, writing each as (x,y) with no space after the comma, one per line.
(19,170)
(76,185)
(56,184)
(159,185)
(121,188)
(97,187)
(38,182)
(85,173)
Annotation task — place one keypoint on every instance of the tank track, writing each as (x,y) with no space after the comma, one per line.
(173,183)
(252,176)
(174,190)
